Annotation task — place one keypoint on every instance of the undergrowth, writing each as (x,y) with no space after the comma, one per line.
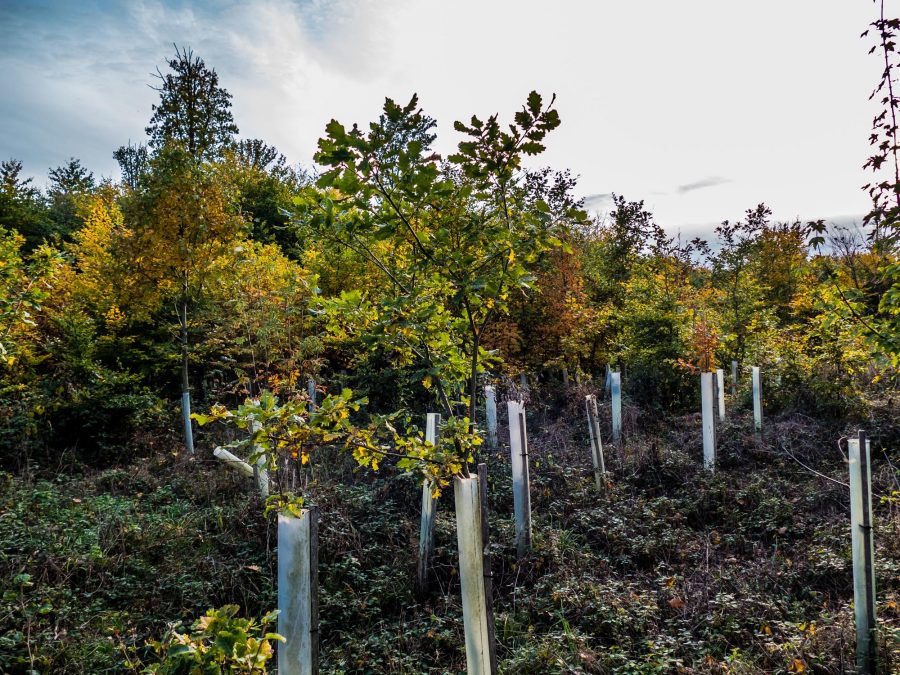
(668,570)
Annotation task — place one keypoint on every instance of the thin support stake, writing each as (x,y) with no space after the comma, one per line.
(590,404)
(486,565)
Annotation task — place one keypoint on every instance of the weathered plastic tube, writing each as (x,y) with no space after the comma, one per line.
(709,422)
(863,551)
(298,593)
(757,399)
(518,450)
(426,524)
(233,461)
(615,380)
(471,575)
(490,409)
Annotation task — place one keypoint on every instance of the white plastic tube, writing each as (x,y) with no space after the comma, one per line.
(490,409)
(518,450)
(296,600)
(720,387)
(757,399)
(615,388)
(863,552)
(188,427)
(471,575)
(233,461)
(426,524)
(709,422)
(262,471)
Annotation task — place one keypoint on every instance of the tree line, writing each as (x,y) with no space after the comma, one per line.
(215,270)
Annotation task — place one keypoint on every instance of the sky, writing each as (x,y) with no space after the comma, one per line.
(701,108)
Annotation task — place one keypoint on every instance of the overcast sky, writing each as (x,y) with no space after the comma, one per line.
(702,108)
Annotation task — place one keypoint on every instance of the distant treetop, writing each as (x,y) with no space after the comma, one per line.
(193,109)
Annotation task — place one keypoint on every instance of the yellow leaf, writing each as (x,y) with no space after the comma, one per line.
(797,666)
(426,382)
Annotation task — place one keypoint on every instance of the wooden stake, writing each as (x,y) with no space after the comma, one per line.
(590,404)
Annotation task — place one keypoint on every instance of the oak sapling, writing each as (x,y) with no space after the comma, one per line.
(454,239)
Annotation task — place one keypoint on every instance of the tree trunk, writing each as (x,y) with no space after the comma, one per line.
(473,384)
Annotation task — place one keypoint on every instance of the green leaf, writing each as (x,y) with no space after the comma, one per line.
(534,103)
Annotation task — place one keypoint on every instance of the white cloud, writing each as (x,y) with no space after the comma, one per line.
(652,95)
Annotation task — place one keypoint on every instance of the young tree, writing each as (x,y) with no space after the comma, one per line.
(733,273)
(193,109)
(179,223)
(453,239)
(180,215)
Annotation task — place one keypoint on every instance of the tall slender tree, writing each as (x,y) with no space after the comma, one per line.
(192,121)
(193,109)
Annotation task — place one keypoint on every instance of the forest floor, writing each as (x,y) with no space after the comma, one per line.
(671,570)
